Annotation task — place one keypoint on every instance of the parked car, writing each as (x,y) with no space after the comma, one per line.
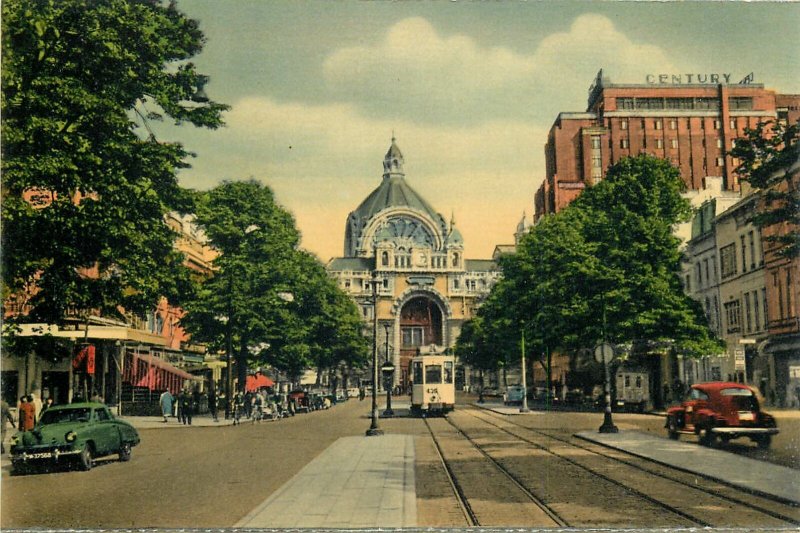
(78,432)
(352,392)
(514,394)
(721,410)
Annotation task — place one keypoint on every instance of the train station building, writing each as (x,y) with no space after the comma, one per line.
(404,261)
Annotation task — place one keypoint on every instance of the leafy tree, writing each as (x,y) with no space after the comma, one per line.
(75,74)
(766,154)
(273,303)
(605,267)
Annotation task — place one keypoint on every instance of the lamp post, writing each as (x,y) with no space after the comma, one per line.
(374,430)
(604,353)
(524,407)
(388,372)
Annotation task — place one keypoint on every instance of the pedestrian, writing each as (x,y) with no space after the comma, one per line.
(48,403)
(166,400)
(258,404)
(188,408)
(181,403)
(26,414)
(5,415)
(361,393)
(238,407)
(37,404)
(212,403)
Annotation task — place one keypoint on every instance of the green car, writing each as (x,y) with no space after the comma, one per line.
(77,432)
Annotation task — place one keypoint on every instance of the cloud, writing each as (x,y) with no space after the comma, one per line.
(323,160)
(417,72)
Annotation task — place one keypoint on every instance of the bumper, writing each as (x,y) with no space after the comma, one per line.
(742,431)
(30,456)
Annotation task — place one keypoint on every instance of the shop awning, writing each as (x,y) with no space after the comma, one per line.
(258,381)
(150,371)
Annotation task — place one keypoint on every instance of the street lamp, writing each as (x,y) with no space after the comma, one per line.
(603,353)
(374,430)
(524,407)
(388,372)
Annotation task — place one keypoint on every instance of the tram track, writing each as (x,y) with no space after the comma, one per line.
(717,497)
(546,516)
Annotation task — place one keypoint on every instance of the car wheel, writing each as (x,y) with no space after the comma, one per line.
(672,428)
(764,442)
(706,436)
(86,457)
(125,452)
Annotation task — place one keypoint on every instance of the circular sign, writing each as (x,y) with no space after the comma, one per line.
(604,353)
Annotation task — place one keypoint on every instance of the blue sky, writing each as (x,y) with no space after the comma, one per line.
(470,90)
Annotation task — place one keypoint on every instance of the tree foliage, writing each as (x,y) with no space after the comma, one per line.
(605,267)
(766,154)
(276,302)
(75,75)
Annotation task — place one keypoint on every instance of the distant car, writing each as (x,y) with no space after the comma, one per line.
(514,394)
(352,392)
(721,410)
(77,433)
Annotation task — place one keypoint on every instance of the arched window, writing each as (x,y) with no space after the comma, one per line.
(385,259)
(455,260)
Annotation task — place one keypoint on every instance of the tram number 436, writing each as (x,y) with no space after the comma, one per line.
(432,390)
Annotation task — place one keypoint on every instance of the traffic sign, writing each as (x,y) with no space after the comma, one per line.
(604,353)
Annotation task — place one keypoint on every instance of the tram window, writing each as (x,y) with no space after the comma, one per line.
(433,374)
(448,371)
(418,372)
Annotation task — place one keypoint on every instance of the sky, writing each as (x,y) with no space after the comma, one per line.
(469,89)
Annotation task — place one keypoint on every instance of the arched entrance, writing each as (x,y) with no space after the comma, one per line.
(420,325)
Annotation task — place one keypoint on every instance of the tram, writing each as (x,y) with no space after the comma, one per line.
(433,390)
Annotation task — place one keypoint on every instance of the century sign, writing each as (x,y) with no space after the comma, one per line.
(687,79)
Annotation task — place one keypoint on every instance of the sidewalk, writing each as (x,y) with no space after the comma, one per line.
(357,482)
(157,422)
(750,474)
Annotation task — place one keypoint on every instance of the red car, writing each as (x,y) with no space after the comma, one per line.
(721,410)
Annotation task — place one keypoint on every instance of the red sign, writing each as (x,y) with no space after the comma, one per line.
(85,354)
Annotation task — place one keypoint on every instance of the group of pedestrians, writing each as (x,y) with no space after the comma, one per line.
(184,406)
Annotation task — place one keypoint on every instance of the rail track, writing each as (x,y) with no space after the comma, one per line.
(710,503)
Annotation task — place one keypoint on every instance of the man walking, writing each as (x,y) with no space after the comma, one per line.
(26,414)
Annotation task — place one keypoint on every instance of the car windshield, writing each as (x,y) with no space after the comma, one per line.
(56,416)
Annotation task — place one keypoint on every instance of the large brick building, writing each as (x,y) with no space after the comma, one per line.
(691,124)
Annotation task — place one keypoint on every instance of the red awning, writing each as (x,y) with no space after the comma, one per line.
(148,370)
(258,381)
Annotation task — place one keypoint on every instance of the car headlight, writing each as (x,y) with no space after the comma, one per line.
(70,436)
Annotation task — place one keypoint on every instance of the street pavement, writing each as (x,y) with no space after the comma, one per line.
(369,482)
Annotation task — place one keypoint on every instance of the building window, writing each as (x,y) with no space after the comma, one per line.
(733,123)
(740,103)
(456,284)
(659,143)
(720,161)
(673,124)
(717,124)
(623,124)
(756,312)
(658,124)
(766,307)
(673,143)
(705,266)
(385,283)
(752,238)
(777,284)
(744,254)
(624,103)
(733,315)
(688,283)
(455,260)
(789,310)
(595,142)
(719,142)
(727,260)
(747,318)
(412,336)
(733,143)
(597,161)
(623,143)
(699,275)
(385,258)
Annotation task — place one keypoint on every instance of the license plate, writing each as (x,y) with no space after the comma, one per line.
(746,415)
(40,455)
